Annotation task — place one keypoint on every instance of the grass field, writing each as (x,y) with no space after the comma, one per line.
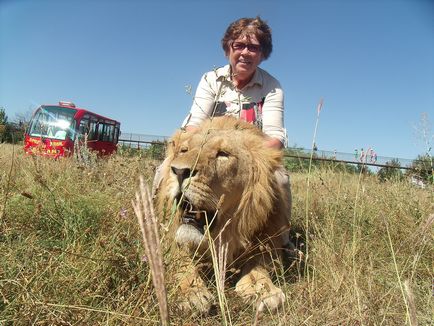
(71,251)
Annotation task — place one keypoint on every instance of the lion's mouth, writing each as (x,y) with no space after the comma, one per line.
(199,218)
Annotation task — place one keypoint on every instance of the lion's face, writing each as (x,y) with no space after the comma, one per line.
(219,173)
(208,177)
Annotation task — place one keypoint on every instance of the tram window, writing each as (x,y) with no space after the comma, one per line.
(109,132)
(100,130)
(84,127)
(93,130)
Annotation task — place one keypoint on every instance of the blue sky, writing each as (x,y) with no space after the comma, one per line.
(372,61)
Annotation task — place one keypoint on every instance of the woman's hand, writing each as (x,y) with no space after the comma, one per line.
(273,143)
(191,128)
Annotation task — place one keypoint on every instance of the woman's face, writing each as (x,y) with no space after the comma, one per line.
(244,56)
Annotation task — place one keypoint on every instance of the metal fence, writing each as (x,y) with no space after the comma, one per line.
(355,158)
(140,141)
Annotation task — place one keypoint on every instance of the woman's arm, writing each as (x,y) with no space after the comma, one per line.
(272,117)
(203,103)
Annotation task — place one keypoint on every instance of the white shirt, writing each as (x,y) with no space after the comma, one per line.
(216,96)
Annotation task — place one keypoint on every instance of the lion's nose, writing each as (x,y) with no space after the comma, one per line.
(183,173)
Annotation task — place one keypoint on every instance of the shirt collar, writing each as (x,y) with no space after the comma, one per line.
(224,73)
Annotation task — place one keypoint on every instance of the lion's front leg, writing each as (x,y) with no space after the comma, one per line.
(257,285)
(195,295)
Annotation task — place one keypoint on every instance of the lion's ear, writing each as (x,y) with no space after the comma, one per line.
(171,145)
(177,139)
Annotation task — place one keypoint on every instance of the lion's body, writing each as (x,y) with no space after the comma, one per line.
(224,177)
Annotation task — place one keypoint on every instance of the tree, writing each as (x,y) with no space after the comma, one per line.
(422,167)
(156,150)
(22,119)
(391,172)
(11,132)
(3,125)
(3,116)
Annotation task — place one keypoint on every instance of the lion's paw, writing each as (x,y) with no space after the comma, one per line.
(272,301)
(256,286)
(198,301)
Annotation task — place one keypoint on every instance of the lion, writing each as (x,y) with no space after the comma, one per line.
(222,179)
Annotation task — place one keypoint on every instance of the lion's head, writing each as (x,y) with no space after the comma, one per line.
(223,178)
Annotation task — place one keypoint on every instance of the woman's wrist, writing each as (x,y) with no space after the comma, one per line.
(273,143)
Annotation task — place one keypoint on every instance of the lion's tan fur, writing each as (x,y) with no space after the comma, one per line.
(235,176)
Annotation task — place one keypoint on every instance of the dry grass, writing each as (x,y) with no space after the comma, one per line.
(148,222)
(71,251)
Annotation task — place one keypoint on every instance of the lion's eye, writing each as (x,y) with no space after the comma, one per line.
(222,154)
(183,149)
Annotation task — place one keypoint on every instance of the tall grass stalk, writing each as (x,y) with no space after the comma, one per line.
(93,310)
(355,230)
(411,304)
(318,111)
(398,277)
(8,183)
(219,259)
(149,227)
(422,234)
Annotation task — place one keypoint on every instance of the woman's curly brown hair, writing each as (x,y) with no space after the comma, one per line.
(249,26)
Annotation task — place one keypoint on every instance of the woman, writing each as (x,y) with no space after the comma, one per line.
(241,88)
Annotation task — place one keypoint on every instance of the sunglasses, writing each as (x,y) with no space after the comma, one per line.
(239,46)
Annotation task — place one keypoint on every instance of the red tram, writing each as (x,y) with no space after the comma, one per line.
(54,129)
